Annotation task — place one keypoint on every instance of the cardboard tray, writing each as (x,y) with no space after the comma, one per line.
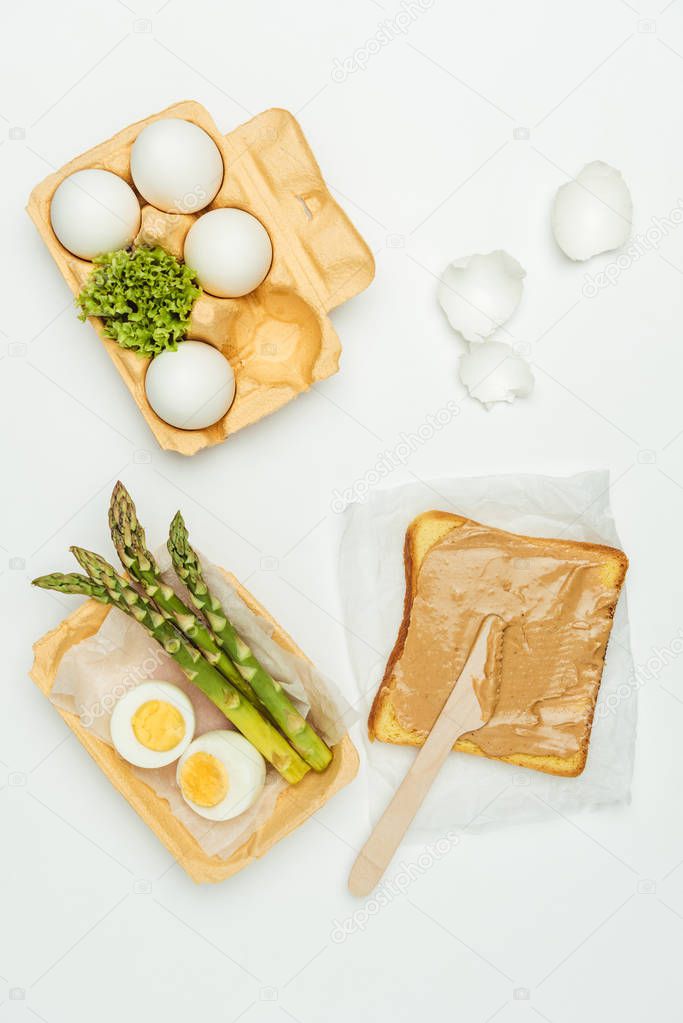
(279,339)
(294,805)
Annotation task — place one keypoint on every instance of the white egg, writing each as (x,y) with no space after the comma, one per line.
(221,775)
(230,251)
(94,211)
(176,165)
(152,725)
(593,213)
(479,293)
(191,388)
(492,372)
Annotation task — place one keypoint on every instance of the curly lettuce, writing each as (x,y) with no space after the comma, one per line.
(144,298)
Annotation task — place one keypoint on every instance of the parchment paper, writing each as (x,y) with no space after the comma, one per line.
(470,791)
(94,674)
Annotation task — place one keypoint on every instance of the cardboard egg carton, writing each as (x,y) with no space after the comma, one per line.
(294,804)
(279,339)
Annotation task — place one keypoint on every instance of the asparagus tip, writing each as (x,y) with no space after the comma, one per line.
(177,533)
(87,559)
(177,521)
(126,529)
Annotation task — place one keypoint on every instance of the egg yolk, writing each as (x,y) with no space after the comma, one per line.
(204,779)
(158,725)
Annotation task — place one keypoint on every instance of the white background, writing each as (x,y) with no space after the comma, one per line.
(584,917)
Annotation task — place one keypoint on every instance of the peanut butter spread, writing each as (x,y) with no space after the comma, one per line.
(556,599)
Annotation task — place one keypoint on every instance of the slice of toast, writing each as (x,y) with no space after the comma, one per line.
(557,598)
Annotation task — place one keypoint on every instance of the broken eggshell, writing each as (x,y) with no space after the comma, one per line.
(593,213)
(492,372)
(479,293)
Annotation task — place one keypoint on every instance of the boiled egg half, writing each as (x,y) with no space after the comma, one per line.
(152,725)
(221,775)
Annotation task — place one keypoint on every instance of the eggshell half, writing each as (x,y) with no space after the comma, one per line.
(479,293)
(593,213)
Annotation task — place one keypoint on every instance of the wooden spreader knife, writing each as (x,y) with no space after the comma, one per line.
(461,713)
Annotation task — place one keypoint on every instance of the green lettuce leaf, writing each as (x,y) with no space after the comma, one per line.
(144,298)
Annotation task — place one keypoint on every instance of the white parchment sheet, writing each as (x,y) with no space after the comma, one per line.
(471,791)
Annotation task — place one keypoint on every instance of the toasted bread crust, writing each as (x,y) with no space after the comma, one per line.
(382,721)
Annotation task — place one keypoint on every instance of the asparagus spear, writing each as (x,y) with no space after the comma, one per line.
(271,694)
(107,586)
(129,540)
